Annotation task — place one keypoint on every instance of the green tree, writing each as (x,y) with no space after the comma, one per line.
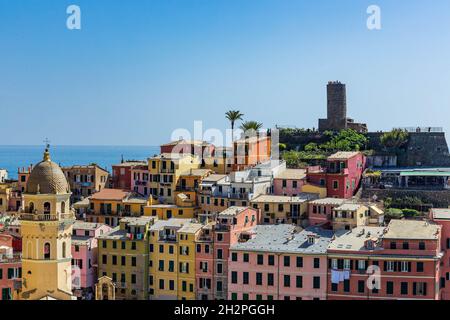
(395,139)
(345,140)
(233,116)
(251,125)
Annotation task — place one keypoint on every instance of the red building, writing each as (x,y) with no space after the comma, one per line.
(121,174)
(442,217)
(10,267)
(341,176)
(212,250)
(400,261)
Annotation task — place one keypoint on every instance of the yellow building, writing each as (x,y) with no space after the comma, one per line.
(46,229)
(281,209)
(183,208)
(315,189)
(165,171)
(110,205)
(172,259)
(123,257)
(5,191)
(350,215)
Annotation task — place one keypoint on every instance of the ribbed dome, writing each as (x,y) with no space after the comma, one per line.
(47,178)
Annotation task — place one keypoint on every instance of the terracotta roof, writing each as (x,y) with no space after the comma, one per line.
(110,194)
(343,155)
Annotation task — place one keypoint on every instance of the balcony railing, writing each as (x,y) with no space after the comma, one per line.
(46,217)
(14,258)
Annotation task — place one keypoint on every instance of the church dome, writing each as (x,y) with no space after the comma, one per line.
(47,178)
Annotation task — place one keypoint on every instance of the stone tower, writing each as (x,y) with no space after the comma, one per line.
(336,104)
(46,229)
(337,110)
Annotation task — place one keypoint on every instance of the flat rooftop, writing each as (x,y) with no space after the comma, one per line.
(292,174)
(348,207)
(412,229)
(343,155)
(328,201)
(232,211)
(441,214)
(354,240)
(268,198)
(286,238)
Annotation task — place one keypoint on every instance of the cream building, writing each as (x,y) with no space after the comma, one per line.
(46,228)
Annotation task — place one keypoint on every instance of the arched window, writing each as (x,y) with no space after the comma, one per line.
(64,250)
(47,251)
(47,208)
(63,207)
(31,205)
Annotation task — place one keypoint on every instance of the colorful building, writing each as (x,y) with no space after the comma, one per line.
(172,259)
(251,151)
(165,171)
(184,208)
(140,178)
(123,256)
(279,262)
(121,174)
(400,261)
(282,209)
(108,206)
(212,250)
(442,217)
(84,257)
(85,180)
(201,149)
(320,211)
(341,176)
(289,182)
(10,267)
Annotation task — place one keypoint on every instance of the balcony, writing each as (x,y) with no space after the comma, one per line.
(46,217)
(167,171)
(14,258)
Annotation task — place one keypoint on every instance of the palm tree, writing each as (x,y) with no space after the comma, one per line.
(233,116)
(251,125)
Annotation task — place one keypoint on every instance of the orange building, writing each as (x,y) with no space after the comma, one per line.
(251,151)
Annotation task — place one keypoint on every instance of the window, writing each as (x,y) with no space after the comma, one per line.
(219,254)
(133,261)
(234,256)
(347,264)
(390,266)
(393,245)
(259,279)
(260,259)
(133,245)
(389,287)
(114,260)
(404,288)
(361,286)
(287,261)
(161,248)
(234,277)
(316,283)
(299,281)
(246,257)
(287,280)
(405,246)
(405,266)
(419,266)
(347,285)
(234,296)
(421,245)
(419,289)
(123,260)
(361,265)
(161,284)
(219,286)
(316,263)
(270,279)
(64,250)
(219,237)
(245,296)
(334,287)
(299,262)
(47,251)
(335,184)
(104,259)
(245,278)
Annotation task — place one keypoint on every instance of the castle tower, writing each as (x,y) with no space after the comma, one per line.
(46,228)
(336,103)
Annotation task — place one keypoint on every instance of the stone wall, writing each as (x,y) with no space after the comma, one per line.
(437,198)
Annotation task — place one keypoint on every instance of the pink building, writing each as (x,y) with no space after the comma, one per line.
(406,256)
(10,267)
(341,176)
(277,262)
(320,211)
(140,179)
(442,217)
(212,254)
(289,182)
(84,257)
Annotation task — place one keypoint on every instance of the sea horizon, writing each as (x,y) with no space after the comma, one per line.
(13,157)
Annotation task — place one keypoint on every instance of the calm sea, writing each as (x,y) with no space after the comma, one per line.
(13,157)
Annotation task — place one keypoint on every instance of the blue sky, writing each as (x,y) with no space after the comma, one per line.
(138,69)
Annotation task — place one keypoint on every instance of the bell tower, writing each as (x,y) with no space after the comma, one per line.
(46,228)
